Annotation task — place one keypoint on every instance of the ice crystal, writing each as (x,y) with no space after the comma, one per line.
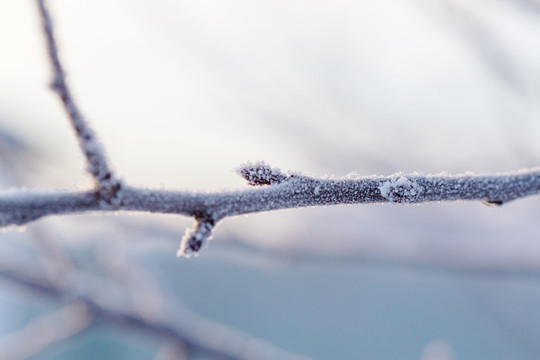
(400,190)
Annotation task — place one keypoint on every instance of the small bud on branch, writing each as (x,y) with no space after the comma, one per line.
(260,173)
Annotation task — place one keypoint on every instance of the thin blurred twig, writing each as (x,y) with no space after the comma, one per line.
(173,351)
(176,323)
(44,331)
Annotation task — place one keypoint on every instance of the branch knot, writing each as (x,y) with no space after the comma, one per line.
(110,192)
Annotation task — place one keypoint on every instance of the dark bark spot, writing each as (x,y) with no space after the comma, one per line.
(204,217)
(194,245)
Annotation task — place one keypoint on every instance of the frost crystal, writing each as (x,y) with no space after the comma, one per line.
(260,173)
(400,190)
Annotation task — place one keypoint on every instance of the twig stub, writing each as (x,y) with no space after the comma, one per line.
(196,238)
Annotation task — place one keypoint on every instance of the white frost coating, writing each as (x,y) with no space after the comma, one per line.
(195,239)
(296,191)
(400,190)
(92,149)
(355,175)
(260,173)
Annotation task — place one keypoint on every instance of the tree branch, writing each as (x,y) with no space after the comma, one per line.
(44,331)
(274,189)
(177,324)
(106,182)
(22,207)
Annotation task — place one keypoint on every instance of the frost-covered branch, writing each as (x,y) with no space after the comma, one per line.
(107,183)
(273,189)
(294,191)
(195,238)
(178,324)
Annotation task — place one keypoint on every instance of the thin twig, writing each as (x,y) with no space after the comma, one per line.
(283,259)
(145,293)
(45,331)
(173,351)
(106,182)
(177,324)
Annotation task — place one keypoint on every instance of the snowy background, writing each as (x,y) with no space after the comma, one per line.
(181,93)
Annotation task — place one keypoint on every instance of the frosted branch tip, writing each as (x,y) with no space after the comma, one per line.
(260,173)
(196,238)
